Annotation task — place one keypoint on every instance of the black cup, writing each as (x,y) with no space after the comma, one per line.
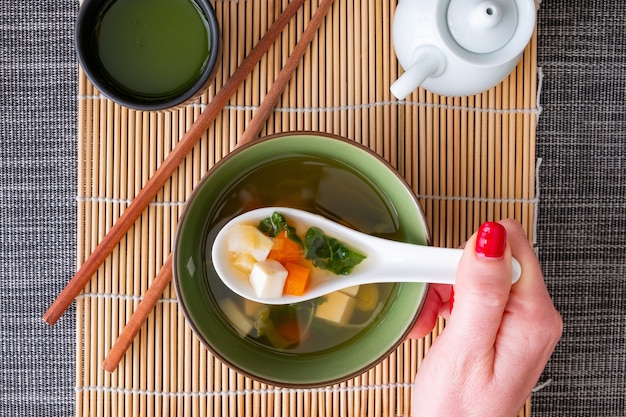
(86,39)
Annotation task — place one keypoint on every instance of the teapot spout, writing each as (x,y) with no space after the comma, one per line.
(429,62)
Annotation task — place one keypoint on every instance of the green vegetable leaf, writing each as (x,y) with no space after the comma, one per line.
(325,252)
(329,254)
(275,224)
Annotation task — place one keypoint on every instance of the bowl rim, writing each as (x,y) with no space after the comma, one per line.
(90,11)
(238,368)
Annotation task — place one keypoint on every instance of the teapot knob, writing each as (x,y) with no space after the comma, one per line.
(482,26)
(486,15)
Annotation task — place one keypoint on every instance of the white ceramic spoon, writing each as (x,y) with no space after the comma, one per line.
(386,260)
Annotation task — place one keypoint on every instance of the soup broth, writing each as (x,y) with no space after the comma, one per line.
(332,190)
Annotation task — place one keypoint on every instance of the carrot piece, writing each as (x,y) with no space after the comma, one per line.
(285,250)
(298,278)
(290,330)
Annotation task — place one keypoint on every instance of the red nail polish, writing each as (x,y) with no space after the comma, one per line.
(451,298)
(491,240)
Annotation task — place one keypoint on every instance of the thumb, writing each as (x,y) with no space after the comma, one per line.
(483,284)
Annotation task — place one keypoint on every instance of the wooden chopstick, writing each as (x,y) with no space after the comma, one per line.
(143,310)
(167,167)
(272,96)
(145,307)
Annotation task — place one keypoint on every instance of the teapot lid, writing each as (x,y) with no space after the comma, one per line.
(482,26)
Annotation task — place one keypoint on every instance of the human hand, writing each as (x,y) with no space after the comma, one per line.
(498,337)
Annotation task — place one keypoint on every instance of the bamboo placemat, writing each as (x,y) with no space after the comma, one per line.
(468,159)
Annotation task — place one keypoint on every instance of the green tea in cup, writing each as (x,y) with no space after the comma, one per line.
(148,54)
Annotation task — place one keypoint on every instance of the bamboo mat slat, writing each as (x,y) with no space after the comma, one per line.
(468,159)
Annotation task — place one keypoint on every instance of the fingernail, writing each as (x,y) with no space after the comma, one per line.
(491,240)
(451,298)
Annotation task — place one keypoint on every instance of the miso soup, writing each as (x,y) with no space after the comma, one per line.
(336,192)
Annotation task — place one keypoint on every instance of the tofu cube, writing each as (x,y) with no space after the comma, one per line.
(351,291)
(244,261)
(337,308)
(268,278)
(252,308)
(244,238)
(242,323)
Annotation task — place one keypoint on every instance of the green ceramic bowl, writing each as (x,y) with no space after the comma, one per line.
(328,175)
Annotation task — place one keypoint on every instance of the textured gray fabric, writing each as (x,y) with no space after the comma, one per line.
(581,232)
(582,213)
(38,145)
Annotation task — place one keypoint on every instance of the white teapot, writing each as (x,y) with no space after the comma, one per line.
(459,47)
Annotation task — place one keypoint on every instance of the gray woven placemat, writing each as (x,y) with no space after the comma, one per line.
(581,227)
(582,213)
(37,205)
